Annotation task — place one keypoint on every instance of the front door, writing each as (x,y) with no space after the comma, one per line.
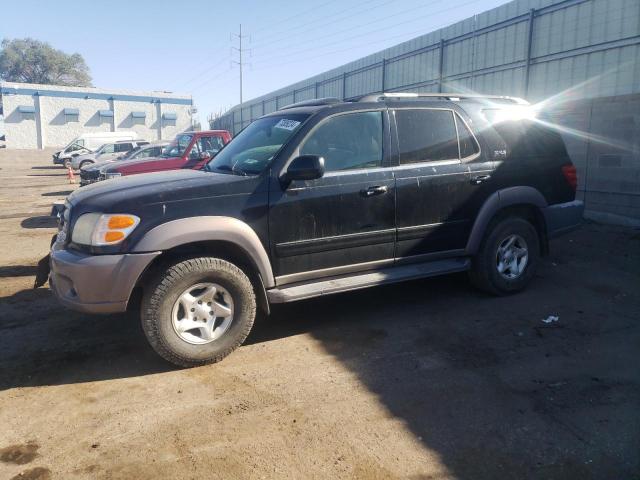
(344,221)
(434,188)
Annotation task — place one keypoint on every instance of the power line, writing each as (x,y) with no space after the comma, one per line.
(240,63)
(306,50)
(210,79)
(350,48)
(363,24)
(207,70)
(294,16)
(281,35)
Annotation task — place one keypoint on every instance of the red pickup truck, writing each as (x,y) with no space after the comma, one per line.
(189,150)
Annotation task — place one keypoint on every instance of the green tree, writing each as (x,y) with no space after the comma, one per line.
(32,61)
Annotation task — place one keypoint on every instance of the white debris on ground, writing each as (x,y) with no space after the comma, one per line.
(550,319)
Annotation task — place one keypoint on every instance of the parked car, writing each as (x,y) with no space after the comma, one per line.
(88,143)
(152,149)
(319,198)
(189,150)
(91,173)
(107,151)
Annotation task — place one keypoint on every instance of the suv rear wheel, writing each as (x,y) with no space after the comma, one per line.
(508,257)
(198,311)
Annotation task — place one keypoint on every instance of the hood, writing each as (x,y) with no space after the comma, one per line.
(131,193)
(136,161)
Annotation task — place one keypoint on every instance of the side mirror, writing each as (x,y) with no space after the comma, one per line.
(75,154)
(205,155)
(305,167)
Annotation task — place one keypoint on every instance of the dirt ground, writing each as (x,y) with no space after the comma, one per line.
(424,380)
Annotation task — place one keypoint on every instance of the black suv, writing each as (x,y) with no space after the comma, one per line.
(319,197)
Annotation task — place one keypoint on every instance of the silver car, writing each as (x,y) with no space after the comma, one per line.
(108,151)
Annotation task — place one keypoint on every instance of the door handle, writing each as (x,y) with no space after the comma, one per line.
(371,191)
(479,179)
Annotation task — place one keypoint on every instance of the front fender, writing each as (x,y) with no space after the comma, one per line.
(210,228)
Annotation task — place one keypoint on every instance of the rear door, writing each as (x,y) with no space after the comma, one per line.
(435,207)
(344,221)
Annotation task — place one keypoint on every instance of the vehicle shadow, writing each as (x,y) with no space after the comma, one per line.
(40,221)
(47,174)
(57,194)
(47,167)
(18,271)
(42,343)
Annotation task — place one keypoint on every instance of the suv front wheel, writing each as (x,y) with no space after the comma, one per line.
(198,311)
(508,257)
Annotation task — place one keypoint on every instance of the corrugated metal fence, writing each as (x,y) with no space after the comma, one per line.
(526,48)
(585,54)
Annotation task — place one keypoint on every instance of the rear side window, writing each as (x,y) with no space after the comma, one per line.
(123,147)
(348,141)
(426,136)
(468,144)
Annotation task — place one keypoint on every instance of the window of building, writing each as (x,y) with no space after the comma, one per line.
(138,118)
(348,141)
(426,135)
(71,115)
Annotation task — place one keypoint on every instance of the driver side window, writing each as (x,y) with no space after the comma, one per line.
(109,148)
(348,141)
(195,151)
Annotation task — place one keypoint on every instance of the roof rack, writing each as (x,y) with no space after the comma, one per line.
(316,102)
(378,97)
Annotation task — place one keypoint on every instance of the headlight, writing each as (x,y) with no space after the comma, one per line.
(98,229)
(112,175)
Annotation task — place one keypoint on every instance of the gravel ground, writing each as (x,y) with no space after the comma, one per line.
(424,380)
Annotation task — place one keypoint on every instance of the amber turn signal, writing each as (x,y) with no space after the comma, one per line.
(121,222)
(113,236)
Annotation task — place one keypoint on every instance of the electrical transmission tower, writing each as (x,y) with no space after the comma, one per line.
(239,62)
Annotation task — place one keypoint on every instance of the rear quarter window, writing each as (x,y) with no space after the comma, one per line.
(526,138)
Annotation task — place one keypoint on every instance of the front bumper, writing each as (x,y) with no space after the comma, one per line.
(88,181)
(563,217)
(96,283)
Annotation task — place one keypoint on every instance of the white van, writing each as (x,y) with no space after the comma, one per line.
(89,142)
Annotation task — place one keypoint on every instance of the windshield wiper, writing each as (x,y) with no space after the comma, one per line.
(220,169)
(239,171)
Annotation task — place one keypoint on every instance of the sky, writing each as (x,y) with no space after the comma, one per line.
(186,47)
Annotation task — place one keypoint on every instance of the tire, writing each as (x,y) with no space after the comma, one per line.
(486,267)
(86,162)
(163,311)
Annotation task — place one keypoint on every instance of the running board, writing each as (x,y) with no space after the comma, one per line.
(327,286)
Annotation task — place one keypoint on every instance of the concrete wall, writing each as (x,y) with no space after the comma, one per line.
(50,127)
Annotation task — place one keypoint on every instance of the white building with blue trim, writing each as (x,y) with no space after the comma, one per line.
(40,116)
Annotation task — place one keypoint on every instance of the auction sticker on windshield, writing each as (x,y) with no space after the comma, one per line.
(287,124)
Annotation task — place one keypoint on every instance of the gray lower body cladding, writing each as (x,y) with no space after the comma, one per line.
(96,283)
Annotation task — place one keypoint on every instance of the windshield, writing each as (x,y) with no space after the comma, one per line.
(251,151)
(177,147)
(132,153)
(75,145)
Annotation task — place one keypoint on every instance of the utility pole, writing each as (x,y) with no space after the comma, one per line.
(240,64)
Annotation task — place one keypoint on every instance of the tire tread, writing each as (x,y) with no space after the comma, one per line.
(163,282)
